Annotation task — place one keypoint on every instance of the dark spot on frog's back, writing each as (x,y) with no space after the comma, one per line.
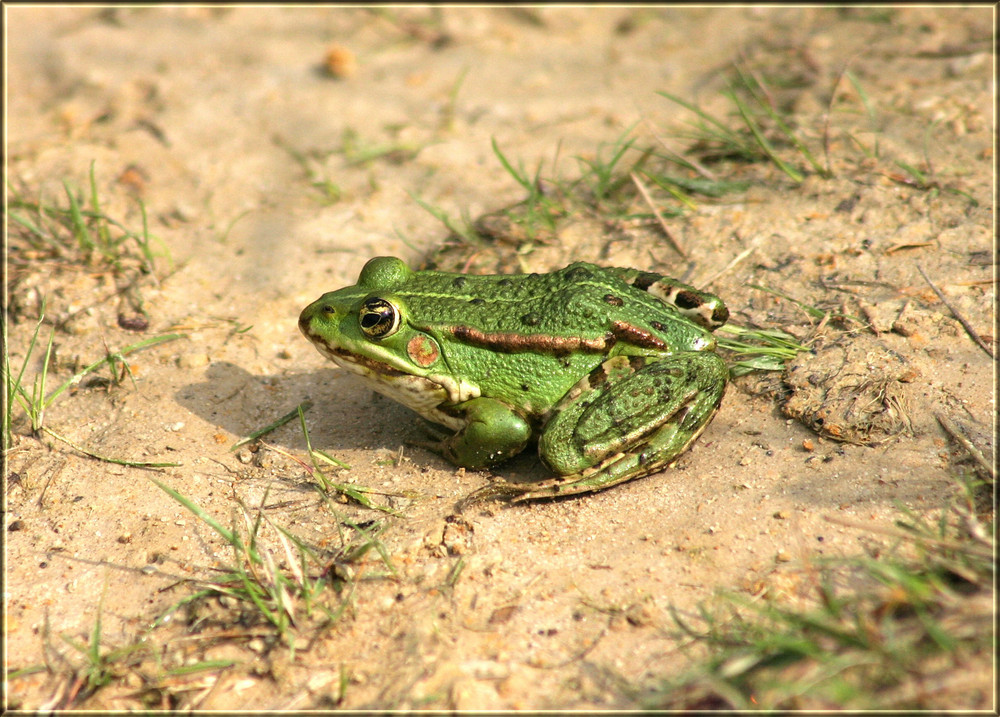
(459,282)
(477,301)
(598,376)
(578,274)
(531,319)
(645,280)
(687,300)
(613,300)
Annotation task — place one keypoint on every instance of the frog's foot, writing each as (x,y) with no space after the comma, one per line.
(434,442)
(498,489)
(491,432)
(611,471)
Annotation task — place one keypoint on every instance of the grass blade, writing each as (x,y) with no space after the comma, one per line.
(106,459)
(79,226)
(297,411)
(133,348)
(758,135)
(229,536)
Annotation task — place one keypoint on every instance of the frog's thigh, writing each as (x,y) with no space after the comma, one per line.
(492,433)
(653,407)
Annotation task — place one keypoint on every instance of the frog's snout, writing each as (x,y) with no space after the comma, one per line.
(305,319)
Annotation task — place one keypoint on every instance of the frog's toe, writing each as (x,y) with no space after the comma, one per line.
(435,446)
(554,488)
(498,489)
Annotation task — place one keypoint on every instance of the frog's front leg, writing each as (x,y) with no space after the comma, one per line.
(493,432)
(630,417)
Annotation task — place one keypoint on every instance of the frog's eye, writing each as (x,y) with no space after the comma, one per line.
(379,319)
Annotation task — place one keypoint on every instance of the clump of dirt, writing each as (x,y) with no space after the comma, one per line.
(855,389)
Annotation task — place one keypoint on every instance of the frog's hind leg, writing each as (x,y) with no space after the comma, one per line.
(642,416)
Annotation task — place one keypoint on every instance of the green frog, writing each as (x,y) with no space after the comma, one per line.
(611,370)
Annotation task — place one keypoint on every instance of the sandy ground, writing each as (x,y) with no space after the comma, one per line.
(249,159)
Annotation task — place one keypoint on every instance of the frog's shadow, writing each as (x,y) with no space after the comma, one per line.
(242,403)
(344,415)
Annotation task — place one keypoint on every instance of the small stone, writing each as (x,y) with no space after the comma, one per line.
(185,212)
(257,645)
(904,328)
(340,62)
(195,360)
(639,615)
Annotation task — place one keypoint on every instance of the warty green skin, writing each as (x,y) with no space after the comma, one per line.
(598,364)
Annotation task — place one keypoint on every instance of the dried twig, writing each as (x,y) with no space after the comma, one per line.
(952,430)
(954,312)
(907,535)
(656,212)
(728,267)
(694,163)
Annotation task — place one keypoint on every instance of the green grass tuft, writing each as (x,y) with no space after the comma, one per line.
(892,631)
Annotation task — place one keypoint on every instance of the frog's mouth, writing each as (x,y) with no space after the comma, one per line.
(409,388)
(344,357)
(429,396)
(357,363)
(351,360)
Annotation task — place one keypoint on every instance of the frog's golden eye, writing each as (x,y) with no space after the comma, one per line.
(378,319)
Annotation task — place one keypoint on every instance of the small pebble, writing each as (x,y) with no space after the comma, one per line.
(340,62)
(193,360)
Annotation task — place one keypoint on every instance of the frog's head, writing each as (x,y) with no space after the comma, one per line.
(365,328)
(361,320)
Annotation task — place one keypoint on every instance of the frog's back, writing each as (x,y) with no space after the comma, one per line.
(570,300)
(581,301)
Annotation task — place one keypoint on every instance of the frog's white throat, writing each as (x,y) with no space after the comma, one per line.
(423,394)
